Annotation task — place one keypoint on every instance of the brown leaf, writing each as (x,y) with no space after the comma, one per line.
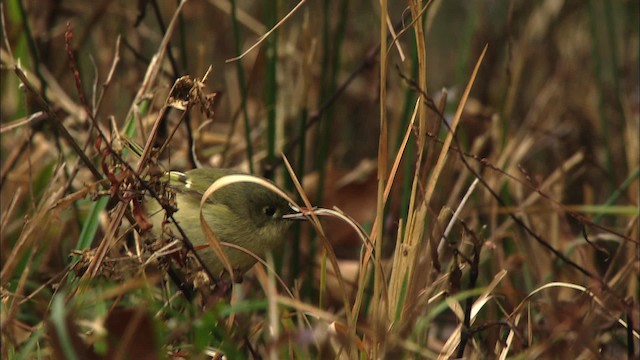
(140,215)
(131,335)
(70,333)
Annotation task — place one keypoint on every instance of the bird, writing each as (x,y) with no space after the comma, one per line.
(245,214)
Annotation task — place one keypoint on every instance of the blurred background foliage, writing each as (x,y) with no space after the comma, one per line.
(557,96)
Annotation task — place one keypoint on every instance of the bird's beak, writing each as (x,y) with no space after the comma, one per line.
(297,213)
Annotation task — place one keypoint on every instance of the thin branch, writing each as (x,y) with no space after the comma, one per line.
(266,35)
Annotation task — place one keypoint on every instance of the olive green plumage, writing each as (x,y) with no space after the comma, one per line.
(244,214)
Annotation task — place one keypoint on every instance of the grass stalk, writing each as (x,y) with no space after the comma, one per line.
(271,83)
(242,85)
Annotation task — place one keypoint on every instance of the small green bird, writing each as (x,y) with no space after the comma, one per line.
(244,214)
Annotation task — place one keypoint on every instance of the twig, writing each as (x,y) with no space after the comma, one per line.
(266,35)
(31,119)
(429,102)
(150,77)
(52,116)
(474,266)
(107,81)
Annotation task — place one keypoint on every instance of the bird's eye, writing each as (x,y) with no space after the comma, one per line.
(269,210)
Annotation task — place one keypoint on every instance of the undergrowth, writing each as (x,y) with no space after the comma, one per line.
(481,158)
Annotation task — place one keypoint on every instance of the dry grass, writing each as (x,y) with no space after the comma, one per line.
(497,217)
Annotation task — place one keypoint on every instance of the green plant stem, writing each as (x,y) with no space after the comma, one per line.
(599,75)
(618,192)
(271,85)
(242,86)
(330,65)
